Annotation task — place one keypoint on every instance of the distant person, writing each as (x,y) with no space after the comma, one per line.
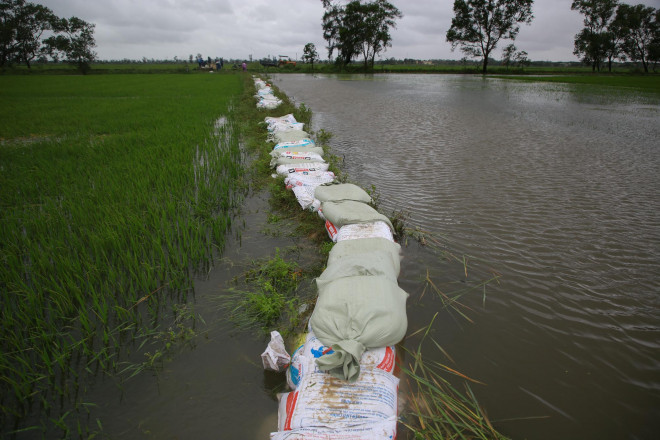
(222,62)
(244,66)
(217,64)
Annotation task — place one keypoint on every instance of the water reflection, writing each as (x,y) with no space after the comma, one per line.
(556,187)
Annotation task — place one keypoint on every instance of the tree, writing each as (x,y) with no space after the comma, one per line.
(638,27)
(508,54)
(595,42)
(478,25)
(74,40)
(310,54)
(358,28)
(522,59)
(31,21)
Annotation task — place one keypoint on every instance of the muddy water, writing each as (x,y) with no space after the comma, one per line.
(554,186)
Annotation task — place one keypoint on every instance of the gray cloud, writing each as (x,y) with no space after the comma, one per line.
(237,28)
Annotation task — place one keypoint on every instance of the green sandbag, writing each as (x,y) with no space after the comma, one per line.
(362,257)
(341,191)
(356,313)
(348,212)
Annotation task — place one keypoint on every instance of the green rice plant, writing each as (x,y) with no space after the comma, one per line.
(116,190)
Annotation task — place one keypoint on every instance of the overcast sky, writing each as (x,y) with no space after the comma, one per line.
(162,29)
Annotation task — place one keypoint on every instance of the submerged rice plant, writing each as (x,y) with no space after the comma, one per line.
(115,189)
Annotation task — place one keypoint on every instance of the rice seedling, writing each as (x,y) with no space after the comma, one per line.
(116,190)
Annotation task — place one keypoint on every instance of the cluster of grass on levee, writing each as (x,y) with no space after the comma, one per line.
(115,189)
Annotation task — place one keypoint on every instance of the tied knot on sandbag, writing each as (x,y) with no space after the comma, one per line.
(344,363)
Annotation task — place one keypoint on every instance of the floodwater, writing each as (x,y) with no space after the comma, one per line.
(553,186)
(557,187)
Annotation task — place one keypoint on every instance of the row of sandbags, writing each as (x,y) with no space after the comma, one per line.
(342,378)
(265,96)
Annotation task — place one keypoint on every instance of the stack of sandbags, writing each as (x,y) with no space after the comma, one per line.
(265,96)
(342,378)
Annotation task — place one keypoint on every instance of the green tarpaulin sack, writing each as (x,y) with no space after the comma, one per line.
(348,212)
(341,191)
(362,257)
(356,313)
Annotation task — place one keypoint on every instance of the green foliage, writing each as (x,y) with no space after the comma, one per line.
(310,54)
(479,25)
(639,28)
(358,28)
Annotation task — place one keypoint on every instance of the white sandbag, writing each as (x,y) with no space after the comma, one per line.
(275,357)
(304,167)
(330,228)
(341,191)
(349,212)
(294,144)
(382,358)
(289,119)
(362,257)
(364,230)
(304,195)
(310,178)
(269,103)
(301,150)
(285,126)
(356,313)
(296,158)
(327,402)
(384,430)
(287,136)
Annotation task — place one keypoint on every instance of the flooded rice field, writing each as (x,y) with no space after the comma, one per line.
(554,186)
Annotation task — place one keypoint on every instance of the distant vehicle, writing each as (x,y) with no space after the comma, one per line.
(285,60)
(269,63)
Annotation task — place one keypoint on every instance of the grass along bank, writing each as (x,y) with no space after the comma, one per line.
(649,83)
(115,189)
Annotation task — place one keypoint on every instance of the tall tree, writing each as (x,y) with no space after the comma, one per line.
(31,21)
(639,28)
(74,40)
(309,54)
(478,25)
(595,42)
(358,28)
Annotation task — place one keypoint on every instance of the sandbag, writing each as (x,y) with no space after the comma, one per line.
(363,230)
(349,212)
(289,119)
(385,430)
(341,191)
(356,313)
(288,136)
(296,158)
(304,195)
(310,178)
(362,257)
(302,167)
(294,144)
(297,150)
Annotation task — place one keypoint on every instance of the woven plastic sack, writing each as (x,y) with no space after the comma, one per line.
(362,257)
(323,401)
(285,126)
(356,313)
(303,167)
(302,150)
(341,191)
(349,212)
(385,430)
(296,158)
(288,136)
(287,119)
(364,230)
(310,178)
(304,195)
(295,144)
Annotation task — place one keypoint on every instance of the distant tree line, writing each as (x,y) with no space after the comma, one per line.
(30,31)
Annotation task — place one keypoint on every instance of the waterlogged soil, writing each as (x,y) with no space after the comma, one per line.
(213,386)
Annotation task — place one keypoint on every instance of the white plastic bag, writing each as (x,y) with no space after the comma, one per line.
(275,357)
